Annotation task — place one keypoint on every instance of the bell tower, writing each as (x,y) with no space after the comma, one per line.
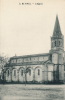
(57,39)
(57,51)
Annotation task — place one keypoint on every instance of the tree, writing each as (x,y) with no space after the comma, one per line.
(3,61)
(26,71)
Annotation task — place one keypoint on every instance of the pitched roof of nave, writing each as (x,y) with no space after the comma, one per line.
(33,55)
(57,29)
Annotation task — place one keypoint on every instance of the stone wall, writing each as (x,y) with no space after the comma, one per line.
(35,73)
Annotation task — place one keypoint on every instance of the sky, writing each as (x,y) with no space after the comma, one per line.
(27,29)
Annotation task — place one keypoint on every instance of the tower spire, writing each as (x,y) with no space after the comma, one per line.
(57,39)
(57,30)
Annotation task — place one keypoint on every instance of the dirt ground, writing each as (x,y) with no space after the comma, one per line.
(32,92)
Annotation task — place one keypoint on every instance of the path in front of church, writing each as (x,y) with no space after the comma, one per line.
(32,92)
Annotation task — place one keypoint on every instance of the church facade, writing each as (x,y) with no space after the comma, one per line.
(39,68)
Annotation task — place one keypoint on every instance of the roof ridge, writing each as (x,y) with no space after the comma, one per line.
(31,55)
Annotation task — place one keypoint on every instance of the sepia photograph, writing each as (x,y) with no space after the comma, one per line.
(32,49)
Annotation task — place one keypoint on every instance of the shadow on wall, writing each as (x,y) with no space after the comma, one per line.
(32,82)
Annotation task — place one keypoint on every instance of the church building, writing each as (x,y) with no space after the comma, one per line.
(39,68)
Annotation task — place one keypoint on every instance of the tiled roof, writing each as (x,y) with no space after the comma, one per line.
(34,55)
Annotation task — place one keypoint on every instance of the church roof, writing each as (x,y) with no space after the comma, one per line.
(57,29)
(33,55)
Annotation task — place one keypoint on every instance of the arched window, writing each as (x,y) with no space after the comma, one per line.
(30,72)
(14,72)
(59,42)
(21,72)
(38,71)
(8,72)
(55,43)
